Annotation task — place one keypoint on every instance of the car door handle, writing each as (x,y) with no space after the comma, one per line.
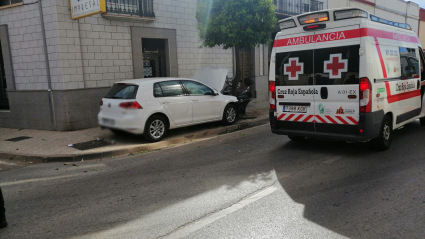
(165,102)
(194,100)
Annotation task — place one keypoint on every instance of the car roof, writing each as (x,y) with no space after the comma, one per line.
(151,80)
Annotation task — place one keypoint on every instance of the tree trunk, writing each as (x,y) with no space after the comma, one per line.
(238,74)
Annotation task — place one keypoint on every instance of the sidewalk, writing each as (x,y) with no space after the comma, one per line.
(53,146)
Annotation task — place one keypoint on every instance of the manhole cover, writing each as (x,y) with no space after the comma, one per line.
(90,145)
(18,138)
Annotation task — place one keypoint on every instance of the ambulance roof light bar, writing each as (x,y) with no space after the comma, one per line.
(313,18)
(396,24)
(287,24)
(350,13)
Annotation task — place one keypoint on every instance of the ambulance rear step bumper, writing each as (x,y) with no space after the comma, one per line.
(369,122)
(320,135)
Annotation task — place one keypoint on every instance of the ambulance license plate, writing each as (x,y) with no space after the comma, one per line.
(297,109)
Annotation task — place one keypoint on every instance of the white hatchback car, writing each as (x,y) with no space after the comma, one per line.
(151,106)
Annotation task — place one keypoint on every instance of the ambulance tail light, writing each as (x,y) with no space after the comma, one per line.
(272,93)
(365,95)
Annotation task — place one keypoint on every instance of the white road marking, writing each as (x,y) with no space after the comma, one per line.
(332,159)
(7,163)
(188,229)
(69,168)
(38,179)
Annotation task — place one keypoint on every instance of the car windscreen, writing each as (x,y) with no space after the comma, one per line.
(122,91)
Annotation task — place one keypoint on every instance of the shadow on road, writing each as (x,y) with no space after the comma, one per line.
(356,191)
(365,194)
(139,188)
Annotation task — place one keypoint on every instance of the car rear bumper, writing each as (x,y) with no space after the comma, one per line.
(370,123)
(128,123)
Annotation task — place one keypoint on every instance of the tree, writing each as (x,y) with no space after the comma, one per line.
(236,23)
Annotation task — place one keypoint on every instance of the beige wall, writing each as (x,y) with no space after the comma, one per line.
(369,8)
(422,33)
(337,3)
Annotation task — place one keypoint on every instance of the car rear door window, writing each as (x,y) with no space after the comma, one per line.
(157,91)
(196,88)
(169,88)
(122,91)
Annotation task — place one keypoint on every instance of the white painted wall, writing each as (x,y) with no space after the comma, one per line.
(94,51)
(27,44)
(106,45)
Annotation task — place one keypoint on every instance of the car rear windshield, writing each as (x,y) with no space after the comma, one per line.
(122,91)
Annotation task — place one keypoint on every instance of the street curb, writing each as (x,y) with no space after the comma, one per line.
(135,149)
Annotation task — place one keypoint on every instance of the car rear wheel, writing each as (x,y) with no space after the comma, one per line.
(385,137)
(156,128)
(230,114)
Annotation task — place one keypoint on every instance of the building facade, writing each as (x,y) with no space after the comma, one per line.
(55,70)
(422,26)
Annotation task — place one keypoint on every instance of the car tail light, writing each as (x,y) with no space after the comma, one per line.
(365,95)
(272,89)
(101,102)
(130,105)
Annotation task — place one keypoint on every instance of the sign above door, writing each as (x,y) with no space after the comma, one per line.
(85,8)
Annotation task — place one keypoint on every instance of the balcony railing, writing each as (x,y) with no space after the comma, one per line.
(295,7)
(139,8)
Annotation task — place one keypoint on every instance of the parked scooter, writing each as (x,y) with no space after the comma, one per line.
(243,93)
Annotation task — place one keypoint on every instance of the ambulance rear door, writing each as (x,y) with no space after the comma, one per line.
(294,81)
(337,75)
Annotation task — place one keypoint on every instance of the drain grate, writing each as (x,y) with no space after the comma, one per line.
(90,145)
(18,138)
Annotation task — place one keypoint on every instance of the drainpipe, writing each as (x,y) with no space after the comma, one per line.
(46,59)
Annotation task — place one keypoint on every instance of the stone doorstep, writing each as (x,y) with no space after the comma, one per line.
(134,149)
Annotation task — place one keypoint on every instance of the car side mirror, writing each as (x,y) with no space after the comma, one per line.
(209,93)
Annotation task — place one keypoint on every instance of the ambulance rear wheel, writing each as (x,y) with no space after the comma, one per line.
(385,137)
(422,120)
(296,138)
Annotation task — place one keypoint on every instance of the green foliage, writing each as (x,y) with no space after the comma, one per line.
(240,23)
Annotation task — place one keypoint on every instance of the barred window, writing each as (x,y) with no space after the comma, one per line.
(9,2)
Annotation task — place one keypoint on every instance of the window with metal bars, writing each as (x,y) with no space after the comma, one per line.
(295,7)
(141,8)
(9,2)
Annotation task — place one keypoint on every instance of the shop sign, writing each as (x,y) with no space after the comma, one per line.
(85,8)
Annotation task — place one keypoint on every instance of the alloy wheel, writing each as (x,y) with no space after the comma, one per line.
(231,114)
(157,129)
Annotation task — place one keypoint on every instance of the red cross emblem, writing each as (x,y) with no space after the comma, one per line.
(294,68)
(335,66)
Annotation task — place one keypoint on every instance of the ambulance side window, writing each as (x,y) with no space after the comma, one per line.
(337,65)
(409,61)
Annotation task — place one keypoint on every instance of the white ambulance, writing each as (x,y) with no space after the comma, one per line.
(345,74)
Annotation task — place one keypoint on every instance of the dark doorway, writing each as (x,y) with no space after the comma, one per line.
(154,57)
(4,101)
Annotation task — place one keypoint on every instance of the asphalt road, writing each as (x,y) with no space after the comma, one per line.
(248,184)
